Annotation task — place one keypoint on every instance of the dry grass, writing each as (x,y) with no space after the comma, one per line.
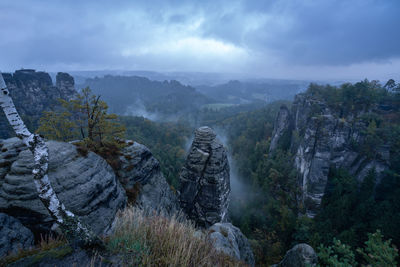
(154,240)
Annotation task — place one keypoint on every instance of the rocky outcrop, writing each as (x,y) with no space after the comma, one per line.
(281,127)
(322,138)
(204,180)
(141,176)
(66,85)
(13,235)
(231,241)
(86,185)
(33,92)
(301,255)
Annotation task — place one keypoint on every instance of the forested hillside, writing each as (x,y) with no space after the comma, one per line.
(242,92)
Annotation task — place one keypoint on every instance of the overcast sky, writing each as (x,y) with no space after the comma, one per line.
(319,39)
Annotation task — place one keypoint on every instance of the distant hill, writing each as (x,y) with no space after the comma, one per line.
(238,92)
(171,100)
(133,95)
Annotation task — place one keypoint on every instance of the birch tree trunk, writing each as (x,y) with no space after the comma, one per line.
(73,229)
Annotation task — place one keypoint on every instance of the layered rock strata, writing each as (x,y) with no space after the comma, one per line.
(86,185)
(205,180)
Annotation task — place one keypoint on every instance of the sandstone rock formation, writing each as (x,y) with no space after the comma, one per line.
(204,180)
(85,184)
(231,241)
(13,235)
(301,255)
(322,138)
(33,92)
(281,126)
(141,176)
(65,84)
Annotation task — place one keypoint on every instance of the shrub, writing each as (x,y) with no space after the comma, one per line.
(378,252)
(337,255)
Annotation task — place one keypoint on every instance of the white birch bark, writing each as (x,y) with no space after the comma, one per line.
(71,225)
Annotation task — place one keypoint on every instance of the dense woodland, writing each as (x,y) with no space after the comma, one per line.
(356,222)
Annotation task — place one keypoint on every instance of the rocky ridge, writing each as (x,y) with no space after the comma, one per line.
(321,138)
(33,92)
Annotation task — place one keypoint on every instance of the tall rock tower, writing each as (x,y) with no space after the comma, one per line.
(205,181)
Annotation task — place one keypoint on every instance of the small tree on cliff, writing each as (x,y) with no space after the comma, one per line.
(84,117)
(74,229)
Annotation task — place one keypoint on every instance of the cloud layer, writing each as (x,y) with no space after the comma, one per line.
(282,39)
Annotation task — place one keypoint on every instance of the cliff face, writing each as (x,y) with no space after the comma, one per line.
(321,138)
(281,127)
(205,182)
(140,175)
(33,92)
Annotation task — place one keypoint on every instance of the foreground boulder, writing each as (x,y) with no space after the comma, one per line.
(86,185)
(140,175)
(204,180)
(301,255)
(13,235)
(231,241)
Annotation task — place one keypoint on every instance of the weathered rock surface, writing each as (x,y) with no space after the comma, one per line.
(205,181)
(322,138)
(281,126)
(13,235)
(33,92)
(301,255)
(86,185)
(231,241)
(66,85)
(140,174)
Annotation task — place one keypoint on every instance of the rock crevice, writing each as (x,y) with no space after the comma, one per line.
(204,180)
(322,138)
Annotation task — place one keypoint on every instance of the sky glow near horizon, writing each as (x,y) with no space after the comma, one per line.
(352,39)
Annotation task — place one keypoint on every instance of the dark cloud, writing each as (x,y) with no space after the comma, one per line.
(340,32)
(237,36)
